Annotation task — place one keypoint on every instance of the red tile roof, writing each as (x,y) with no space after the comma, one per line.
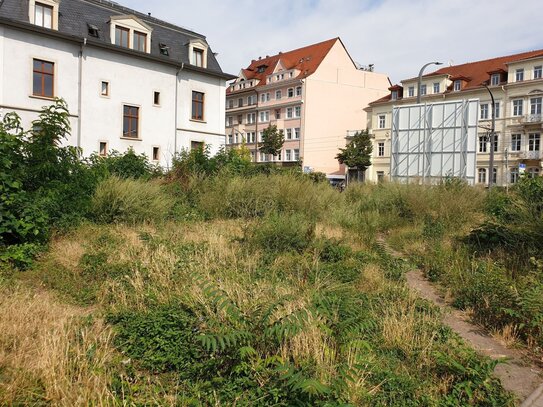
(306,60)
(476,72)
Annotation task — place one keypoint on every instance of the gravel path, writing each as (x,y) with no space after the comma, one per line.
(516,374)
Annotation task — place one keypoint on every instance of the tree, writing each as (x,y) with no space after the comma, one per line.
(357,153)
(272,140)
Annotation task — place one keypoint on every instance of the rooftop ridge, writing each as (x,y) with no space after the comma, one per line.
(286,53)
(119,7)
(496,58)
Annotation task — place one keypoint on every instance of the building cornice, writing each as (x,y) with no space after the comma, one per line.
(84,41)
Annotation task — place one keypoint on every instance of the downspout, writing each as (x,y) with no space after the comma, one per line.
(80,90)
(176,105)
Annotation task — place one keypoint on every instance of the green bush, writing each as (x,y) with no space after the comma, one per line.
(125,165)
(42,183)
(130,201)
(162,339)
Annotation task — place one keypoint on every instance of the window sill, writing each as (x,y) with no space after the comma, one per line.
(131,138)
(42,97)
(198,121)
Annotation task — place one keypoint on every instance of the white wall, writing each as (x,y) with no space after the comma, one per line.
(19,49)
(132,80)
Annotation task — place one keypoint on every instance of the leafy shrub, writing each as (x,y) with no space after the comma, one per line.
(38,177)
(333,251)
(279,233)
(162,339)
(125,165)
(131,201)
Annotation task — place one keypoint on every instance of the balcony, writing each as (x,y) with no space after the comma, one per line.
(531,118)
(530,155)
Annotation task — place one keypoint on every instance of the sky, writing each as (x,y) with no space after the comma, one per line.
(397,36)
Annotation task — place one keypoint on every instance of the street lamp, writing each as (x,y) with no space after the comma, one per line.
(492,141)
(420,77)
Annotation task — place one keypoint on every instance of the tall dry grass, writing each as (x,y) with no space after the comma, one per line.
(49,354)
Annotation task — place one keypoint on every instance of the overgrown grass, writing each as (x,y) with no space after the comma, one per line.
(279,297)
(130,201)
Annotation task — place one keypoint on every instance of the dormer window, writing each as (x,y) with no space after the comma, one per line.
(121,36)
(164,49)
(198,53)
(93,30)
(261,68)
(495,79)
(457,85)
(140,41)
(130,32)
(394,95)
(44,13)
(198,57)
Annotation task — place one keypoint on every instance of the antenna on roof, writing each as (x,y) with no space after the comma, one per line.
(451,62)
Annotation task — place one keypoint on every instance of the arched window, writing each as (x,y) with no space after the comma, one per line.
(482,175)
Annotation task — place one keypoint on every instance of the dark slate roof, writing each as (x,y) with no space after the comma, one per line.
(76,15)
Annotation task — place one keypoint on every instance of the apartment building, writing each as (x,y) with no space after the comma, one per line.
(516,82)
(313,94)
(130,80)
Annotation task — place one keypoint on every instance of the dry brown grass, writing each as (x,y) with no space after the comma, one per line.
(405,328)
(47,355)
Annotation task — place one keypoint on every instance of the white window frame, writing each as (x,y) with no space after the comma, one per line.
(264,116)
(481,175)
(288,134)
(437,87)
(297,111)
(538,72)
(251,118)
(278,94)
(483,144)
(382,121)
(296,154)
(423,90)
(298,91)
(290,112)
(534,142)
(411,91)
(516,142)
(535,105)
(290,92)
(483,111)
(457,86)
(296,133)
(495,79)
(381,149)
(519,74)
(517,107)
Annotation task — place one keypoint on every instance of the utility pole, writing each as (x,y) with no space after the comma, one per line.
(493,140)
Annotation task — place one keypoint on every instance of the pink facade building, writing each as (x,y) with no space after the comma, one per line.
(315,94)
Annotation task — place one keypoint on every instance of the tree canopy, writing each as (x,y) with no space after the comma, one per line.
(272,140)
(357,153)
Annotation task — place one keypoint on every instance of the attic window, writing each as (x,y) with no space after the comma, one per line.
(164,49)
(261,68)
(93,30)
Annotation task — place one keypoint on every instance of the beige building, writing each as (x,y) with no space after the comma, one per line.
(516,82)
(314,94)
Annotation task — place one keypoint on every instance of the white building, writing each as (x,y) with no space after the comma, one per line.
(130,80)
